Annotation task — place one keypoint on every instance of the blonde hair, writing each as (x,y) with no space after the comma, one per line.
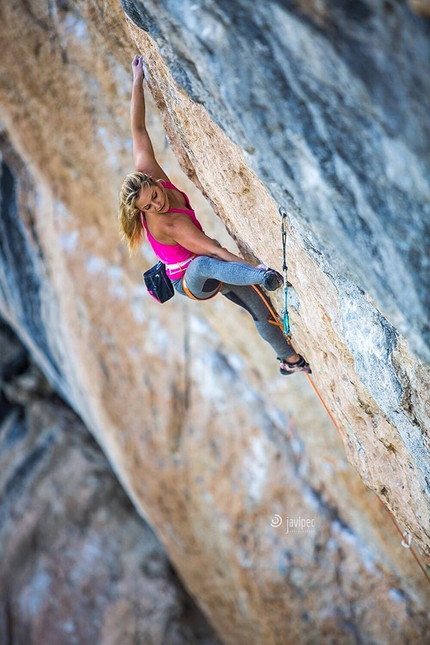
(130,223)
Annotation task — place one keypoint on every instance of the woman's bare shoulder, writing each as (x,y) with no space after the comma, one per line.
(171,220)
(163,225)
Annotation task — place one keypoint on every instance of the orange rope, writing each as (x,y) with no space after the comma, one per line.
(400,532)
(314,387)
(268,304)
(425,572)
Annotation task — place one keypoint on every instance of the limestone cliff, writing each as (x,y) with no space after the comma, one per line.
(306,104)
(313,106)
(70,540)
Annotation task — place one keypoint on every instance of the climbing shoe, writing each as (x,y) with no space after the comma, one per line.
(299,366)
(272,280)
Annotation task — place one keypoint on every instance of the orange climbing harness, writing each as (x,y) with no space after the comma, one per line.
(193,297)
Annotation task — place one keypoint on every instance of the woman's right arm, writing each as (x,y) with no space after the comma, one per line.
(143,152)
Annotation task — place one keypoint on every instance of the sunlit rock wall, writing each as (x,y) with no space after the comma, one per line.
(422,7)
(206,439)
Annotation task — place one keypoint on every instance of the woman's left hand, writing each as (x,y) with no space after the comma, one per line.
(138,69)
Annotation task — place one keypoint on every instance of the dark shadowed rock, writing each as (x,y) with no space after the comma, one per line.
(78,566)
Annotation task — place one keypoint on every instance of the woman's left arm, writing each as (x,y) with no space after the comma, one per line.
(143,151)
(185,233)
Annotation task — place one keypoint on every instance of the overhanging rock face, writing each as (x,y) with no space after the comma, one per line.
(328,101)
(209,443)
(307,95)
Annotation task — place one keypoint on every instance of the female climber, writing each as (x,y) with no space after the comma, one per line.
(197,265)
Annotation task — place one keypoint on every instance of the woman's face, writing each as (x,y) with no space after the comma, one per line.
(153,199)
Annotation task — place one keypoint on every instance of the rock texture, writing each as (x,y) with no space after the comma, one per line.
(211,445)
(328,144)
(328,101)
(422,7)
(77,564)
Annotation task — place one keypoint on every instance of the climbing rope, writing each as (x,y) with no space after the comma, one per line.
(406,536)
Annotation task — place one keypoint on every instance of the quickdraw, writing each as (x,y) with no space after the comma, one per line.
(286,318)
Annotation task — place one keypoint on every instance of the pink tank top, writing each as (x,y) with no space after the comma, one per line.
(173,254)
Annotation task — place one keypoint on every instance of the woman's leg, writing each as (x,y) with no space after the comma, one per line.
(257,303)
(240,280)
(204,274)
(259,306)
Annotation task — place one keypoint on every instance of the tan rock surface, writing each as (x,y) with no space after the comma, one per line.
(207,441)
(422,7)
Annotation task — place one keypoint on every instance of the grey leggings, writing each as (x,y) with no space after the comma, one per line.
(241,286)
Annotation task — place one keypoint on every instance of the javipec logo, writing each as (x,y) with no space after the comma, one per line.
(294,524)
